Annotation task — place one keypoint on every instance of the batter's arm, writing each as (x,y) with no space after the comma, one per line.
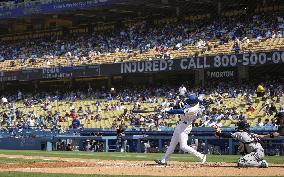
(176,111)
(271,135)
(278,133)
(167,110)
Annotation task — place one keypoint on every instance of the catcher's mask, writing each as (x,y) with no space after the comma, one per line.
(242,125)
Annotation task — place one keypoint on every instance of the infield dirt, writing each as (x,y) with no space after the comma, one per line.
(115,167)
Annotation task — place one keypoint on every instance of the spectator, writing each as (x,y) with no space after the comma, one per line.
(236,46)
(259,123)
(182,90)
(267,123)
(260,90)
(69,147)
(75,123)
(4,101)
(272,109)
(250,109)
(88,146)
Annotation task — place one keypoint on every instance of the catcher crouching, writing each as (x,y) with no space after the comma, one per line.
(250,147)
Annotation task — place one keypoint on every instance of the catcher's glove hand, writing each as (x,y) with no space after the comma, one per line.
(218,131)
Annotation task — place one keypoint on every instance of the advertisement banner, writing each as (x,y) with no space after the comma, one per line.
(9,76)
(204,62)
(70,72)
(222,64)
(221,74)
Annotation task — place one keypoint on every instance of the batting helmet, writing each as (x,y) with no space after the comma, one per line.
(192,100)
(242,125)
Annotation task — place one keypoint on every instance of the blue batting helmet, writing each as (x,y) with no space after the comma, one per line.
(192,100)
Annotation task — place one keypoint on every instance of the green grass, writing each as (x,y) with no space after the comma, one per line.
(24,174)
(135,156)
(20,160)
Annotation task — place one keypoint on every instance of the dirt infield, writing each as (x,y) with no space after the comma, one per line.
(111,167)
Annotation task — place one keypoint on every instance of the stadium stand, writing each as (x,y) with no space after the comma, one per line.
(224,105)
(169,39)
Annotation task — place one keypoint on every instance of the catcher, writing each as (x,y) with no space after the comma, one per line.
(250,148)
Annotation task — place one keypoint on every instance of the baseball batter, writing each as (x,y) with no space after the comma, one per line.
(187,115)
(249,147)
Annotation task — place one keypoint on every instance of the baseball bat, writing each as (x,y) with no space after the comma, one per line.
(144,111)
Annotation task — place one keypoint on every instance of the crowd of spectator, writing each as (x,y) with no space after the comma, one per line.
(214,108)
(145,35)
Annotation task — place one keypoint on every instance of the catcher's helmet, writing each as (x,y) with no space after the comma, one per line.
(242,125)
(192,100)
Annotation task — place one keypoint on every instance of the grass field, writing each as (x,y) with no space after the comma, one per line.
(109,156)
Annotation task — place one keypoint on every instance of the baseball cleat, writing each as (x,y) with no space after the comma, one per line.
(203,159)
(159,162)
(264,164)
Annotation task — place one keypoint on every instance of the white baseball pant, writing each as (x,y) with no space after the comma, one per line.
(181,136)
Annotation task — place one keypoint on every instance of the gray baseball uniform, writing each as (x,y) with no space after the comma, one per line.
(250,148)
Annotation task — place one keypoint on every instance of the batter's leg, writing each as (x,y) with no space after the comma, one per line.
(183,145)
(173,144)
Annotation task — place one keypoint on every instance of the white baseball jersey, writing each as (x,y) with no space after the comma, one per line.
(190,113)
